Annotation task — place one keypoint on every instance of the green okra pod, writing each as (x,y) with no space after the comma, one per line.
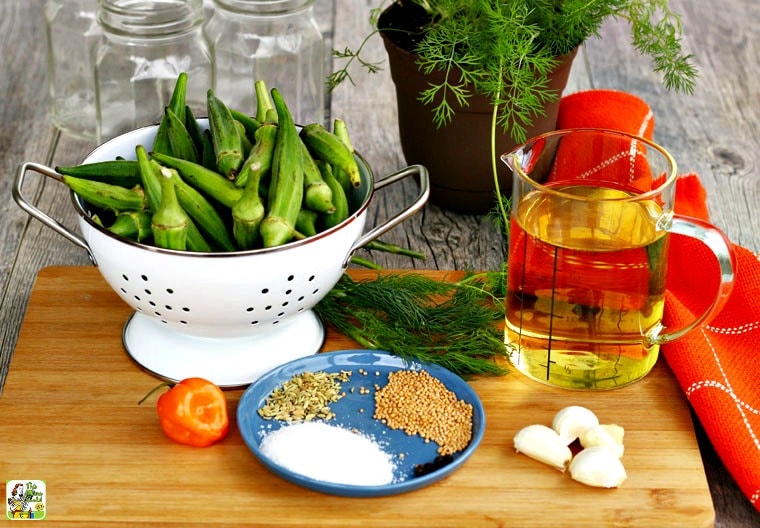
(250,124)
(264,102)
(107,196)
(179,138)
(244,141)
(195,240)
(203,213)
(340,129)
(135,225)
(228,145)
(169,223)
(306,222)
(194,129)
(209,182)
(286,186)
(326,146)
(125,173)
(150,177)
(317,194)
(259,160)
(340,201)
(208,158)
(177,104)
(248,213)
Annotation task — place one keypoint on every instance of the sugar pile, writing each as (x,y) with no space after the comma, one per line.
(329,453)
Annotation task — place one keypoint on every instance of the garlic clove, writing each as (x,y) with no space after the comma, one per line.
(598,466)
(573,420)
(542,443)
(609,435)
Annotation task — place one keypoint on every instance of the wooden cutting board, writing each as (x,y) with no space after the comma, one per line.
(69,416)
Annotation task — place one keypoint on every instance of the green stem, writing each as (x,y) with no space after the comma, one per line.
(379,245)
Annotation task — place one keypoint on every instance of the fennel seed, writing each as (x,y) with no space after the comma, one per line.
(305,396)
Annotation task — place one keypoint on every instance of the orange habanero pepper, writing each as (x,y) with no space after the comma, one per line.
(194,412)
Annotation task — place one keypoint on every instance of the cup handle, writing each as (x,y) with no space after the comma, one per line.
(722,248)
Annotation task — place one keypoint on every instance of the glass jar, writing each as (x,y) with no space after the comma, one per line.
(277,41)
(72,34)
(145,45)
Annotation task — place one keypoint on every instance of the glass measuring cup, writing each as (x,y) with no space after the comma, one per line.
(592,214)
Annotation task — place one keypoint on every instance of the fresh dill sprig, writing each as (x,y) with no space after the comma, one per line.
(452,324)
(506,51)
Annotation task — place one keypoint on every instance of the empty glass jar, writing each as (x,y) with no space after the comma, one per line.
(277,41)
(72,34)
(146,44)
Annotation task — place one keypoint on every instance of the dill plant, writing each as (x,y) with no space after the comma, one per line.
(505,50)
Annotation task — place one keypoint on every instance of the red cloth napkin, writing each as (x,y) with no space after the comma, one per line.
(715,364)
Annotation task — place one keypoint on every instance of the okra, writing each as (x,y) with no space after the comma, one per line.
(125,173)
(306,222)
(209,182)
(179,138)
(195,240)
(250,124)
(317,194)
(244,141)
(208,158)
(326,146)
(340,129)
(177,104)
(135,225)
(169,223)
(264,102)
(340,201)
(150,175)
(228,145)
(248,213)
(286,188)
(203,214)
(259,160)
(105,195)
(341,132)
(194,129)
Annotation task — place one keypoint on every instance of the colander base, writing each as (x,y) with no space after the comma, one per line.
(227,362)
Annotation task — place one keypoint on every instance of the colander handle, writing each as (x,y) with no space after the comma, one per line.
(32,210)
(412,209)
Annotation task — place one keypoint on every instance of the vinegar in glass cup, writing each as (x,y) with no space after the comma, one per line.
(585,284)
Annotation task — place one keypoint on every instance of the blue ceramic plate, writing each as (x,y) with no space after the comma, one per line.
(348,411)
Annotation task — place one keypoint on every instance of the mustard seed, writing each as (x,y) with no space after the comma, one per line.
(420,404)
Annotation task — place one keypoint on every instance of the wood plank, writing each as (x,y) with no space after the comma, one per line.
(69,415)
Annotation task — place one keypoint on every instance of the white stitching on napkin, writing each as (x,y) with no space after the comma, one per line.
(726,387)
(743,329)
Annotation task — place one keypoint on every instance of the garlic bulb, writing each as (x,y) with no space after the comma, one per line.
(598,466)
(609,435)
(542,443)
(571,421)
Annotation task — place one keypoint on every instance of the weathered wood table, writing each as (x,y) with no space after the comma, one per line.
(714,133)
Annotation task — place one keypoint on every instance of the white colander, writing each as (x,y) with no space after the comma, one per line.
(228,317)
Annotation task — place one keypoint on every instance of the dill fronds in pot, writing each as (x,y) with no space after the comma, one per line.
(456,325)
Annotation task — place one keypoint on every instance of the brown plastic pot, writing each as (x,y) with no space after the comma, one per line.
(458,155)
